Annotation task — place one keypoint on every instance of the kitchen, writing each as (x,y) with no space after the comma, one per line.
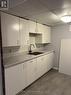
(34,49)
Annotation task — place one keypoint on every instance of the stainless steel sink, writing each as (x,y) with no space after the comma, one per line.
(35,53)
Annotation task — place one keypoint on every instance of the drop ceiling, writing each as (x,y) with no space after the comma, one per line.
(46,12)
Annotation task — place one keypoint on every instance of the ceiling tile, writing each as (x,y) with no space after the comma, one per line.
(64,11)
(53,4)
(14,3)
(46,17)
(29,8)
(56,4)
(44,11)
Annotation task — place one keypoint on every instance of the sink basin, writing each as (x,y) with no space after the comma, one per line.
(35,53)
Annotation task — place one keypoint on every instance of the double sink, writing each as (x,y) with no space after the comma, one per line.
(35,53)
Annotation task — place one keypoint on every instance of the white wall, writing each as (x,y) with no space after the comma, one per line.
(58,33)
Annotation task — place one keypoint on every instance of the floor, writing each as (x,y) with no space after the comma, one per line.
(52,83)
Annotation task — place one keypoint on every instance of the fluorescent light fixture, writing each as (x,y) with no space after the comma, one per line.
(66,18)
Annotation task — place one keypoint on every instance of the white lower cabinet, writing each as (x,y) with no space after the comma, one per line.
(10,30)
(30,71)
(44,64)
(19,76)
(40,67)
(13,79)
(50,58)
(22,75)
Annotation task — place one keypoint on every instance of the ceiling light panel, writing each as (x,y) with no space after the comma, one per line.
(66,19)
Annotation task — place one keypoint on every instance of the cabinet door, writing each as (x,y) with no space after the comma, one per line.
(44,64)
(46,35)
(31,71)
(40,66)
(32,27)
(50,58)
(10,30)
(24,75)
(24,32)
(13,79)
(39,28)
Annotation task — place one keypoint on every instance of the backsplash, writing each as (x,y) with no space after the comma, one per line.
(15,50)
(48,46)
(12,51)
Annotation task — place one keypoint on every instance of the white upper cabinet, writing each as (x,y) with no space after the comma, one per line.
(35,27)
(45,36)
(39,28)
(15,31)
(32,27)
(10,30)
(24,32)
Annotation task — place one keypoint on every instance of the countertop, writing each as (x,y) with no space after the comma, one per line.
(21,58)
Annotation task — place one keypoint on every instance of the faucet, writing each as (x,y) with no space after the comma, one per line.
(30,47)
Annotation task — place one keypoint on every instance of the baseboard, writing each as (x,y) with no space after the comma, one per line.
(56,68)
